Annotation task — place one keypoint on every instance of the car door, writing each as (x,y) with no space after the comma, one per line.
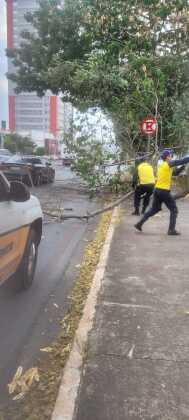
(13,235)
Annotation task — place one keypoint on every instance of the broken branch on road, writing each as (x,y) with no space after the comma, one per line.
(88,215)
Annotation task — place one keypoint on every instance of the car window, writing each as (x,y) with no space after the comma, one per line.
(34,161)
(14,159)
(4,158)
(5,152)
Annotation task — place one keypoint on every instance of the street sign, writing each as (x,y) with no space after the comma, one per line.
(149,125)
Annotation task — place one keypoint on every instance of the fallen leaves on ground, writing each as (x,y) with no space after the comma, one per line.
(46,349)
(22,382)
(39,401)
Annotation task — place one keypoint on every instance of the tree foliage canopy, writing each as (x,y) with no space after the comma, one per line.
(128,57)
(19,144)
(40,151)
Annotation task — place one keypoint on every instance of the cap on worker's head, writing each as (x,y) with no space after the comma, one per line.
(166,153)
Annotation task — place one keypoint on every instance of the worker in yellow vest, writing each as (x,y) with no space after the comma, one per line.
(162,189)
(143,182)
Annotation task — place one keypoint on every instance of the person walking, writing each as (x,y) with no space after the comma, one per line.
(143,182)
(162,189)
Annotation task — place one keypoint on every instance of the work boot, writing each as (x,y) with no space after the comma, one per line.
(135,213)
(173,233)
(138,226)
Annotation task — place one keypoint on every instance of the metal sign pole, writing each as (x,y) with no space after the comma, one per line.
(149,127)
(148,143)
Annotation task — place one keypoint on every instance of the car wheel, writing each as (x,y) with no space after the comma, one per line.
(52,177)
(38,180)
(27,267)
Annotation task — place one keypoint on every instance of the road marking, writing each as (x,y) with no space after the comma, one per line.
(65,403)
(126,305)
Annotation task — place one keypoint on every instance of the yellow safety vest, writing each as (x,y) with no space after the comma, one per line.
(146,174)
(164,176)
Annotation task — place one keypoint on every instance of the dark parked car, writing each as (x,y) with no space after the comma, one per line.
(28,169)
(16,170)
(41,169)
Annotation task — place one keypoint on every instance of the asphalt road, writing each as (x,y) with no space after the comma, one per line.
(30,320)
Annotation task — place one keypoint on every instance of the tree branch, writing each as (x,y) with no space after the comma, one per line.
(116,203)
(88,215)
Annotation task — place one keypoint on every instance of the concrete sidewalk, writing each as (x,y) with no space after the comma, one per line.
(137,365)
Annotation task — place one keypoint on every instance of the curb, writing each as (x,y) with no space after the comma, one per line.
(68,391)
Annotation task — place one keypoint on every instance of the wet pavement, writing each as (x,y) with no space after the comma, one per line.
(137,363)
(30,320)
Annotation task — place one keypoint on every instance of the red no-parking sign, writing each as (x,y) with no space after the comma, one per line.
(149,125)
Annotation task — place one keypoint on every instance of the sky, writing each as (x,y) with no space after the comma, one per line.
(3,64)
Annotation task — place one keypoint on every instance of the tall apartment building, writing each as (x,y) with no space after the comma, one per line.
(28,112)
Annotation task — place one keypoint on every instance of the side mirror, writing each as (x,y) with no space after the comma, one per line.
(48,164)
(18,192)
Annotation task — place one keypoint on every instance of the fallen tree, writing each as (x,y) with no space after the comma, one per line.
(87,216)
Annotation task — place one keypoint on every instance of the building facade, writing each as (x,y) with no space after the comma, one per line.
(27,111)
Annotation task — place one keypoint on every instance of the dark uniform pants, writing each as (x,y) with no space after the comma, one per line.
(143,190)
(160,197)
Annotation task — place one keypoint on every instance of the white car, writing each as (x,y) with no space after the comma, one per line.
(20,232)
